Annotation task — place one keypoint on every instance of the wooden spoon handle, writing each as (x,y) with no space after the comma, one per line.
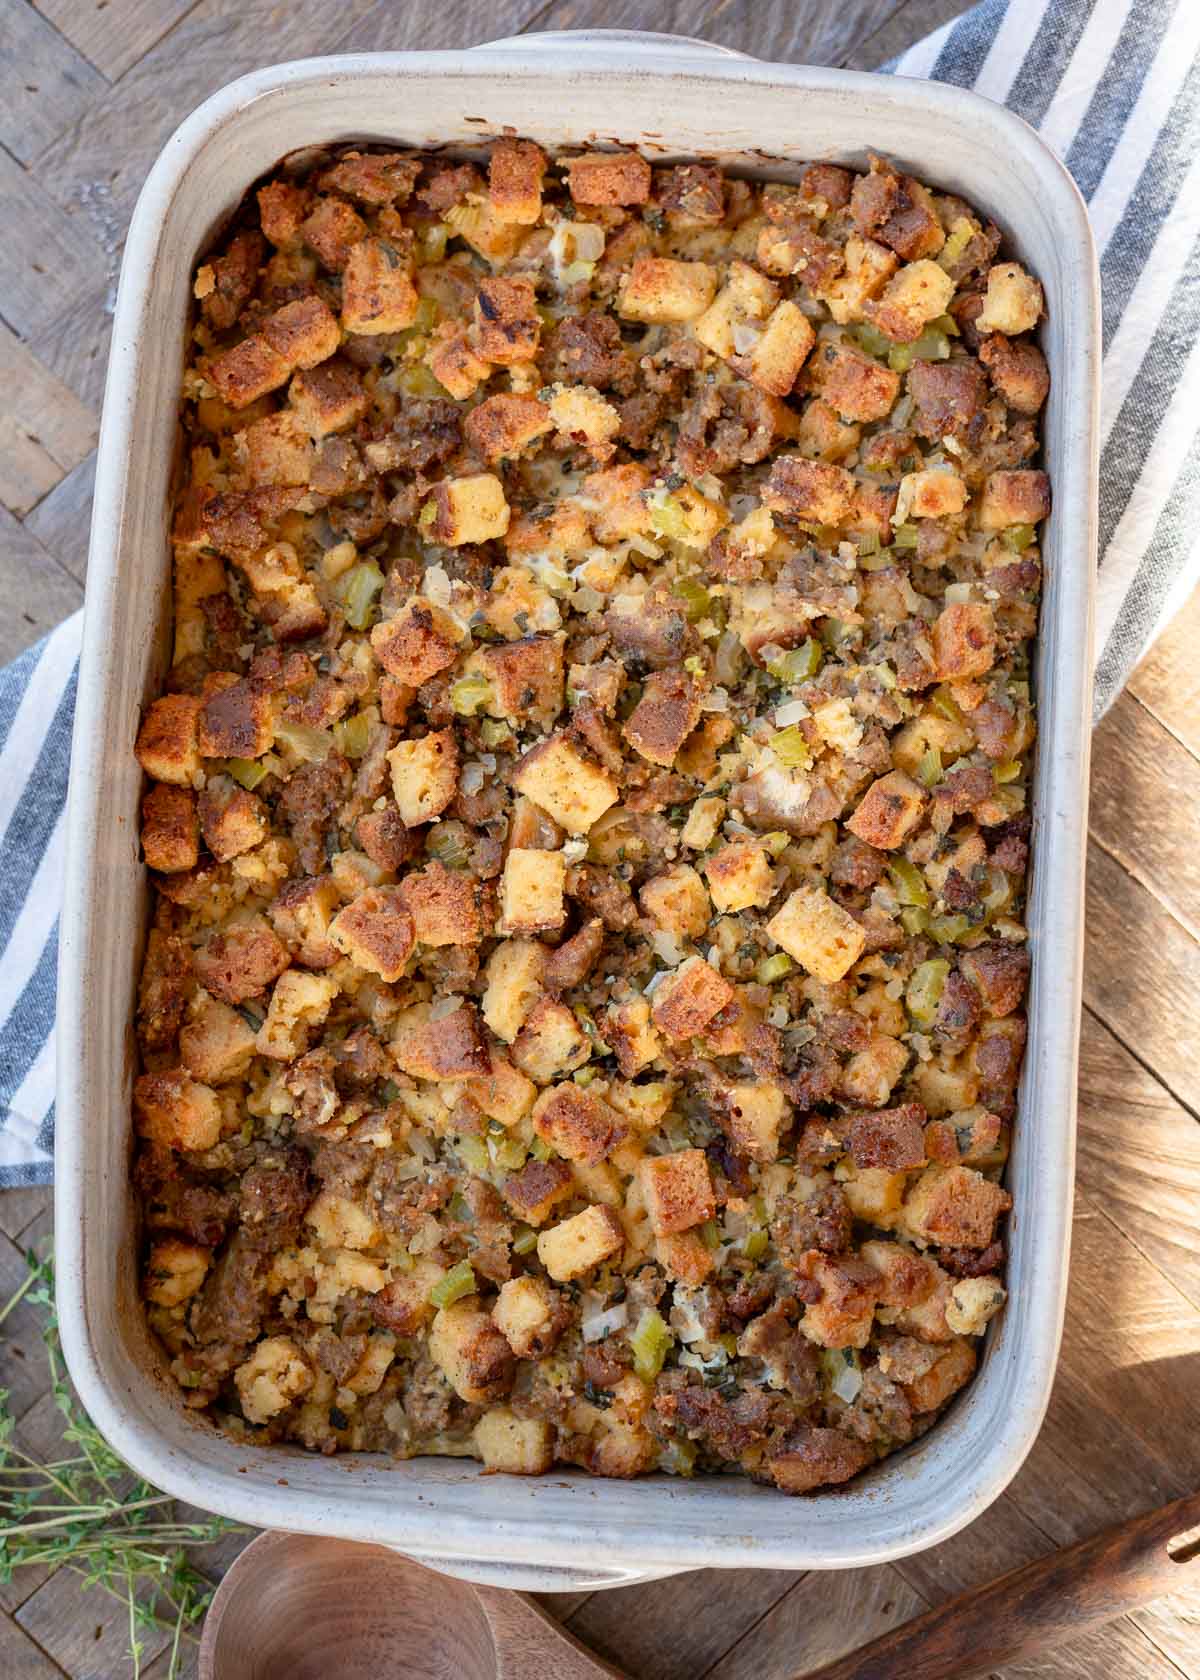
(1026,1612)
(531,1645)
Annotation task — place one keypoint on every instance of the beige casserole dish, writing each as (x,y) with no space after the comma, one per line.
(671,99)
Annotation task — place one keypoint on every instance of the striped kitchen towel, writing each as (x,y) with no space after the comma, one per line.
(1114,87)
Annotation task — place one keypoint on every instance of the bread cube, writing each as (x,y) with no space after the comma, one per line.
(440,1046)
(376,931)
(1014,498)
(275,1374)
(776,357)
(275,450)
(930,495)
(166,743)
(403,1305)
(235,719)
(444,906)
(216,1044)
(677,1190)
(551,1042)
(944,1377)
(232,821)
(954,1207)
(507,325)
(822,435)
(1013,302)
(248,371)
(518,1446)
(583,415)
(471,1352)
(526,678)
(282,207)
(301,914)
(608,178)
(822,937)
(845,1313)
(917,293)
(303,332)
(170,829)
(332,229)
(888,1137)
(374,178)
(1018,372)
(454,361)
(754,1115)
(424,776)
(338,1222)
(685,1257)
(329,398)
(868,268)
(174,1111)
(634,1041)
(378,295)
(577,1124)
(514,982)
(659,289)
(964,641)
(300,1001)
(616,506)
(855,386)
(703,821)
(906,1279)
(889,811)
(240,962)
(566,785)
(417,643)
(502,1093)
(503,425)
(531,891)
(581,1243)
(664,717)
(740,877)
(688,998)
(812,490)
(870,1074)
(536,1190)
(174,1271)
(973,1303)
(472,509)
(528,1314)
(515,172)
(476,221)
(875,1195)
(677,901)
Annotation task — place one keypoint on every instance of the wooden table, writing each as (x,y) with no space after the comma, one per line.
(89,90)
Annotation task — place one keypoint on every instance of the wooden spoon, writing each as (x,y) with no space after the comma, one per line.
(310,1609)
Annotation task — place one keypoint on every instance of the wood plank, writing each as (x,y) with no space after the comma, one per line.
(1145,791)
(112,37)
(910,24)
(20,1658)
(1140,968)
(74,345)
(25,1372)
(1139,1156)
(47,83)
(427,24)
(48,260)
(823,1617)
(1173,1624)
(36,591)
(1167,681)
(83,1628)
(1003,1538)
(1119,1649)
(677,1628)
(62,521)
(45,430)
(19,1208)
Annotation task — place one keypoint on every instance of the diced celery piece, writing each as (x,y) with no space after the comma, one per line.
(798,664)
(773,968)
(915,920)
(417,380)
(709,1235)
(469,693)
(694,665)
(357,591)
(871,339)
(908,881)
(961,236)
(457,1208)
(905,536)
(948,325)
(791,749)
(945,705)
(755,1245)
(932,346)
(650,1343)
(247,772)
(584,1075)
(525,1241)
(1018,537)
(946,929)
(457,1282)
(776,842)
(924,991)
(507,1152)
(389,1091)
(473,1152)
(929,770)
(493,731)
(1006,771)
(353,735)
(313,745)
(696,599)
(448,842)
(868,544)
(540,1149)
(431,242)
(668,519)
(678,1458)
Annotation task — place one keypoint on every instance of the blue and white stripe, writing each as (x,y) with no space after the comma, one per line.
(1113,86)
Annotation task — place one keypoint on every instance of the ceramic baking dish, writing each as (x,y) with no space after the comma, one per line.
(672,99)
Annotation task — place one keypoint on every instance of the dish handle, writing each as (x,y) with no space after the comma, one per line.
(605,40)
(536,1577)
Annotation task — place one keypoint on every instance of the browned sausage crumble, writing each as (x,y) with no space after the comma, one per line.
(588,814)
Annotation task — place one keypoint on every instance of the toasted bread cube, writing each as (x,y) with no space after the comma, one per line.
(844,1314)
(577,1124)
(466,510)
(855,386)
(580,1243)
(484,231)
(1013,303)
(917,293)
(583,415)
(1014,498)
(507,325)
(336,1221)
(811,490)
(282,207)
(301,914)
(232,821)
(424,776)
(216,1044)
(440,1046)
(568,787)
(304,333)
(328,398)
(376,931)
(746,299)
(875,1195)
(531,891)
(241,962)
(502,1093)
(170,829)
(872,1072)
(174,1111)
(974,1302)
(944,1377)
(502,425)
(526,678)
(754,1115)
(685,1257)
(514,981)
(635,1042)
(906,1279)
(472,1353)
(551,1042)
(779,353)
(694,518)
(374,178)
(454,362)
(659,289)
(664,717)
(704,819)
(822,435)
(964,641)
(608,178)
(889,811)
(444,906)
(822,937)
(517,1446)
(930,495)
(677,1190)
(275,450)
(378,295)
(402,1305)
(869,266)
(174,1271)
(417,643)
(677,901)
(954,1207)
(248,371)
(367,1376)
(515,172)
(275,1374)
(332,229)
(687,999)
(301,1001)
(525,1313)
(166,742)
(740,877)
(617,507)
(536,1190)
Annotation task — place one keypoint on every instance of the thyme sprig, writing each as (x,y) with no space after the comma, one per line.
(89,1513)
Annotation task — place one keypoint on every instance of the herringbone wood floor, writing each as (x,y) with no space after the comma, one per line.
(89,90)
